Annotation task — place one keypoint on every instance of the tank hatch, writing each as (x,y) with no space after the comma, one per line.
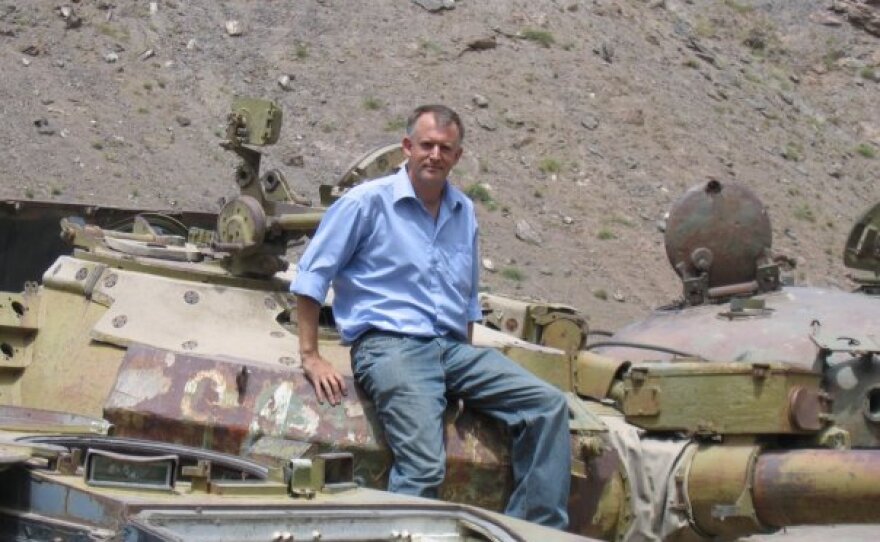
(718,240)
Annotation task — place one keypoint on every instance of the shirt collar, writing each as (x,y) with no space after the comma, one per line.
(403,189)
(402,185)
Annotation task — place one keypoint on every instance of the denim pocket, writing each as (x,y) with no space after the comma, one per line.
(371,351)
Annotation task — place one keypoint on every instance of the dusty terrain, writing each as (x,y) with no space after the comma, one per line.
(598,115)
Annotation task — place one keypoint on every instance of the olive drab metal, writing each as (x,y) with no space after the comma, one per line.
(150,377)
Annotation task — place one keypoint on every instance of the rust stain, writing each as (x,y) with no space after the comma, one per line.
(586,491)
(788,484)
(200,405)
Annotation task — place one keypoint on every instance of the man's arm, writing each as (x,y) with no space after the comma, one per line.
(329,250)
(324,377)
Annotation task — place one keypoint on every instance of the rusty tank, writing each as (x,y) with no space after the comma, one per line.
(177,329)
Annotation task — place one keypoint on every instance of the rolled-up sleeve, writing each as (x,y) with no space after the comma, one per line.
(330,249)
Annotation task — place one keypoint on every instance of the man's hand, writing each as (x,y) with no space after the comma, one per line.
(328,383)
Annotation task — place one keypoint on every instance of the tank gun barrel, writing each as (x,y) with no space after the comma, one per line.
(739,490)
(803,487)
(296,221)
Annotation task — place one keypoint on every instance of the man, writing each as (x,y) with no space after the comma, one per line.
(401,252)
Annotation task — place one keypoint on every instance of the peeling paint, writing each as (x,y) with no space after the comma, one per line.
(207,389)
(304,419)
(354,410)
(135,385)
(273,414)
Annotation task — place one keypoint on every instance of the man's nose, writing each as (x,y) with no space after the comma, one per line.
(435,151)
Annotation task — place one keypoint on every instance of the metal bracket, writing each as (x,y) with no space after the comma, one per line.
(746,307)
(18,325)
(199,475)
(767,276)
(696,289)
(325,473)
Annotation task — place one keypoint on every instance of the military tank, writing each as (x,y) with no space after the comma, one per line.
(182,334)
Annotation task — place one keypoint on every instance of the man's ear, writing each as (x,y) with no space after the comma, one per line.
(407,146)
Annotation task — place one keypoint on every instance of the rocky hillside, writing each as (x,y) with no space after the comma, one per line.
(585,118)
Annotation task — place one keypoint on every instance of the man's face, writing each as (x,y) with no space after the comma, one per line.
(432,151)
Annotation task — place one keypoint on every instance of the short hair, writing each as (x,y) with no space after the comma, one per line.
(442,114)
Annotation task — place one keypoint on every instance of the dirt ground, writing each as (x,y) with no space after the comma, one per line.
(593,117)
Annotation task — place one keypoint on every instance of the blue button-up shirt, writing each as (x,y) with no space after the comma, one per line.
(393,267)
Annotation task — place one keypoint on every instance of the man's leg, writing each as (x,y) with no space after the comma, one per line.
(537,417)
(404,378)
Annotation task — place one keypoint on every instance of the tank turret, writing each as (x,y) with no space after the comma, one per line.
(751,319)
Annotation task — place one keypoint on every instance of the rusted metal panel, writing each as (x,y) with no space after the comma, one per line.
(779,334)
(597,498)
(200,401)
(812,487)
(226,405)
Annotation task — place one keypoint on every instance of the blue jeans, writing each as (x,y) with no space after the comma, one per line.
(408,379)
